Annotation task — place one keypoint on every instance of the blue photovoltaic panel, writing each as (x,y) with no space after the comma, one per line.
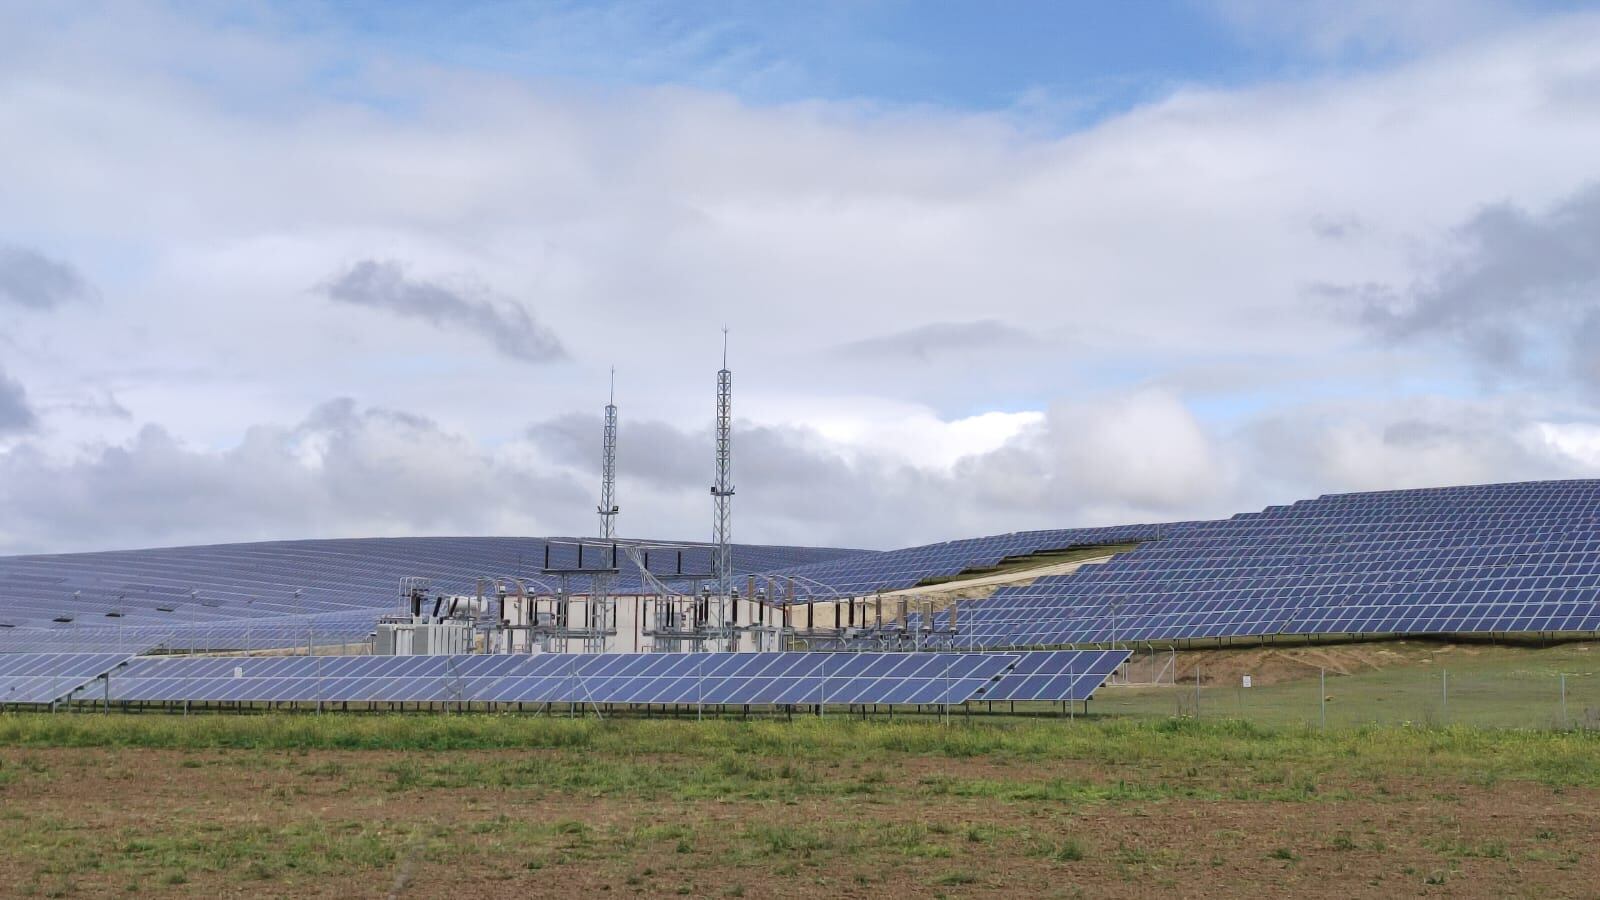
(859,575)
(754,678)
(1505,558)
(38,678)
(1484,559)
(665,678)
(1056,675)
(331,629)
(232,582)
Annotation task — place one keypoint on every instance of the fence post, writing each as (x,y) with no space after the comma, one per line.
(1197,691)
(1445,689)
(1322,696)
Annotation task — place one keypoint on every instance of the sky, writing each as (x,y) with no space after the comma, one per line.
(301,269)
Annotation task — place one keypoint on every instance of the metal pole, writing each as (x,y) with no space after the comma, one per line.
(1445,685)
(299,605)
(1197,691)
(722,498)
(944,709)
(1322,696)
(822,708)
(608,466)
(1072,682)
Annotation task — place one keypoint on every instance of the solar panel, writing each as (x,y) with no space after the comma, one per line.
(181,585)
(753,678)
(40,678)
(329,630)
(1485,559)
(862,574)
(616,678)
(1477,559)
(1056,675)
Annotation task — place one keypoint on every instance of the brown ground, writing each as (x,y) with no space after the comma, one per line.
(1271,665)
(81,822)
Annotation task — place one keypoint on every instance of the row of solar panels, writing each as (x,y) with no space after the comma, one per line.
(41,678)
(283,578)
(327,630)
(1480,559)
(1283,572)
(854,576)
(757,679)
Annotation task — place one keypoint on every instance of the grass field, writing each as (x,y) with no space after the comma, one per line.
(1397,683)
(435,806)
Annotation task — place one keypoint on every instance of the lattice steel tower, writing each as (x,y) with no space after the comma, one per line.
(722,491)
(608,507)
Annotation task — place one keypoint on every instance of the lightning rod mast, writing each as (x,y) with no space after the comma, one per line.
(608,507)
(722,498)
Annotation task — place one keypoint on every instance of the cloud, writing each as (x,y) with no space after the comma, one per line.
(16,415)
(1135,455)
(1336,228)
(1520,285)
(1146,459)
(927,343)
(1413,442)
(1142,456)
(343,471)
(103,406)
(35,281)
(383,285)
(1169,244)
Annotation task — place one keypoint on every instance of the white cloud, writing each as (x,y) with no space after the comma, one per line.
(1577,443)
(914,434)
(341,471)
(1183,237)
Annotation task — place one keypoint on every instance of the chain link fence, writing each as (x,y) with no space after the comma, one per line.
(1531,696)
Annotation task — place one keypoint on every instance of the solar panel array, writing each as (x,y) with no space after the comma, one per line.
(41,678)
(1481,559)
(856,576)
(103,593)
(326,630)
(1056,675)
(1508,558)
(613,678)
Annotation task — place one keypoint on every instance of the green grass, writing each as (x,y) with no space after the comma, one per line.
(663,805)
(1491,687)
(698,759)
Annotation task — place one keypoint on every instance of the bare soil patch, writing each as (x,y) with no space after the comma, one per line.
(243,823)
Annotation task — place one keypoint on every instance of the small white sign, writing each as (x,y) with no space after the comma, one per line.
(238,671)
(1247,681)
